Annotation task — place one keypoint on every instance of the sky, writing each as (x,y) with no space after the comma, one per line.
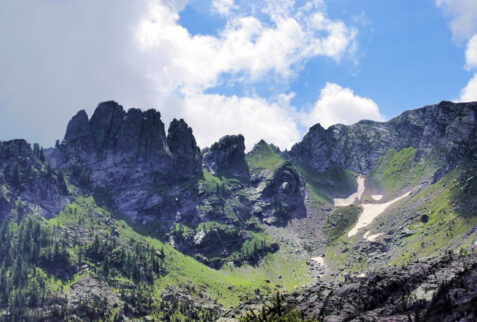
(267,69)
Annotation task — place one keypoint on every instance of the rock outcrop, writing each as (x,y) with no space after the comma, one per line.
(441,289)
(187,159)
(27,183)
(358,147)
(226,155)
(127,154)
(280,196)
(114,137)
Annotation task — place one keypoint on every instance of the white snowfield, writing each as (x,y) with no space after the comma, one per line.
(370,212)
(357,195)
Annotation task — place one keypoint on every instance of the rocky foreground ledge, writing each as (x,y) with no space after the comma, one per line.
(439,289)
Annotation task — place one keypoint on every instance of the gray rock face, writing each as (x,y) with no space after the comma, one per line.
(128,155)
(282,197)
(440,289)
(358,147)
(27,184)
(228,153)
(436,290)
(114,136)
(78,127)
(187,159)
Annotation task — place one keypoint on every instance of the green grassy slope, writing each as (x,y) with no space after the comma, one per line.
(447,218)
(398,170)
(264,157)
(104,246)
(438,218)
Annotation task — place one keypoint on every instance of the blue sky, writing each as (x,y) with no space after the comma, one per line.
(405,49)
(266,69)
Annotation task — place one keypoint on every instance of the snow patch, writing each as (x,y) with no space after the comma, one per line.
(372,237)
(370,212)
(344,202)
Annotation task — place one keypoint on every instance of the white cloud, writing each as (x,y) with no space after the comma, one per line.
(213,116)
(469,93)
(56,58)
(471,53)
(463,24)
(340,105)
(223,7)
(246,45)
(462,15)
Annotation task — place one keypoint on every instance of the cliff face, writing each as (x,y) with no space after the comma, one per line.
(127,153)
(226,155)
(358,147)
(113,142)
(27,183)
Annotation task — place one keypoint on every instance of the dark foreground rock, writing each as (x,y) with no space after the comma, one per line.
(443,289)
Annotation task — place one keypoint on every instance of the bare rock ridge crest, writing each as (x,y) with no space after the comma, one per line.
(128,152)
(358,147)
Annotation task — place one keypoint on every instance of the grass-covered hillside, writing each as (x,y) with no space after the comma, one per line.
(435,218)
(404,169)
(95,265)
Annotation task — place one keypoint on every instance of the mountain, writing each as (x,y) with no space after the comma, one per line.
(121,220)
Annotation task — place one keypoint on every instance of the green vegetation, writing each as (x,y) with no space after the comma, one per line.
(397,170)
(443,216)
(340,221)
(27,250)
(321,184)
(448,218)
(86,241)
(264,157)
(219,186)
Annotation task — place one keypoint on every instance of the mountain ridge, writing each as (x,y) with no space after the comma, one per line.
(120,184)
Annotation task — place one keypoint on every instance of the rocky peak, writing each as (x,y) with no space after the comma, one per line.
(187,158)
(105,123)
(228,153)
(359,146)
(78,127)
(262,145)
(116,135)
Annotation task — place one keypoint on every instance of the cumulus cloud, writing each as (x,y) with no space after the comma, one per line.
(337,104)
(471,53)
(58,57)
(246,45)
(469,93)
(255,117)
(223,7)
(462,15)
